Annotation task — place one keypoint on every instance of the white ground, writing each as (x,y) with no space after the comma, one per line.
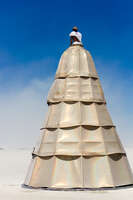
(13,168)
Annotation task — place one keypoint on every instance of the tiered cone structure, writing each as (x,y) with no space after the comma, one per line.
(79,146)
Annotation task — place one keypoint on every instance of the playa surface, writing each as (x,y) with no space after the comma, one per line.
(13,168)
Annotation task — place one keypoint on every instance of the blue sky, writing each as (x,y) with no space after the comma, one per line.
(33,35)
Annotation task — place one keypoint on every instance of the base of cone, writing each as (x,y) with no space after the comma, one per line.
(79,189)
(82,172)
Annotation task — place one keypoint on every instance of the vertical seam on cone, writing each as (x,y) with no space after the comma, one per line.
(109,164)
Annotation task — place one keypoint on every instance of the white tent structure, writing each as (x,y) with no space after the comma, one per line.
(79,146)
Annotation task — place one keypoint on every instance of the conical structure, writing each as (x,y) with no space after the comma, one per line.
(79,146)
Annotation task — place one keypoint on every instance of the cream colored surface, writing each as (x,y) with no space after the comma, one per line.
(76,62)
(78,141)
(14,164)
(64,114)
(80,171)
(76,89)
(78,146)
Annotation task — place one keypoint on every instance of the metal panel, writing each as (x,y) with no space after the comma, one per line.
(56,172)
(120,170)
(57,91)
(72,89)
(97,172)
(76,62)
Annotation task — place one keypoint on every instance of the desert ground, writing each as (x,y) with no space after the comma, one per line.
(13,167)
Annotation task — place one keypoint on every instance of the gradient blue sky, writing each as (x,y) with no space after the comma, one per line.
(33,35)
